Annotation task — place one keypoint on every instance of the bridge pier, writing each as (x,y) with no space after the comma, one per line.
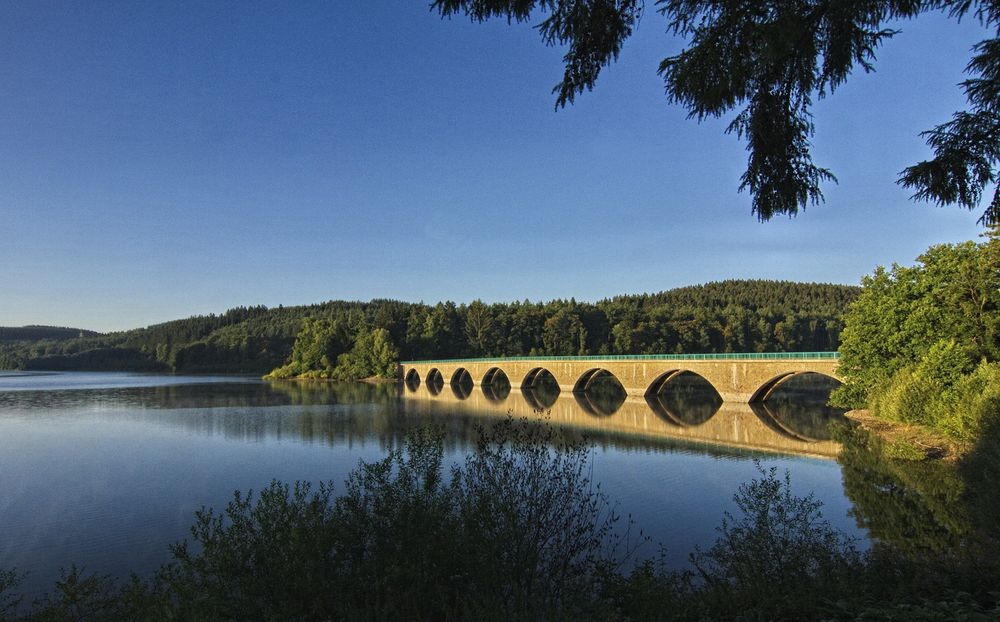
(736,398)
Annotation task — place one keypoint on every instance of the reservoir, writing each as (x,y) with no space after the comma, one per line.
(106,470)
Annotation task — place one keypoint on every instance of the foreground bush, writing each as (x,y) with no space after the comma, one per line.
(778,556)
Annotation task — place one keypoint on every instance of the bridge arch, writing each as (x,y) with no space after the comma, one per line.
(658,383)
(587,379)
(766,390)
(662,381)
(435,381)
(535,374)
(494,375)
(412,380)
(461,376)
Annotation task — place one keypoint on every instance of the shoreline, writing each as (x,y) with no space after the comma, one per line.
(908,441)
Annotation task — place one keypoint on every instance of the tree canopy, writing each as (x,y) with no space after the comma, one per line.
(768,61)
(922,343)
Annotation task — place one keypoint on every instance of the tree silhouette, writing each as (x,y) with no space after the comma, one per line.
(767,60)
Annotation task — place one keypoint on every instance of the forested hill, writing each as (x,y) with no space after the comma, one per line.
(38,333)
(734,316)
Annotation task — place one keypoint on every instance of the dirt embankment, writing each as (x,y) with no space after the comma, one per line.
(907,440)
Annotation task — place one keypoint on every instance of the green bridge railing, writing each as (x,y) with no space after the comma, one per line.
(725,356)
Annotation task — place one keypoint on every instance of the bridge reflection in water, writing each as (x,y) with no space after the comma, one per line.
(792,422)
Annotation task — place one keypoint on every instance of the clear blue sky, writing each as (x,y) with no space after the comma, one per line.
(159,160)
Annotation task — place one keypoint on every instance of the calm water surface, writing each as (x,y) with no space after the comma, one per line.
(106,470)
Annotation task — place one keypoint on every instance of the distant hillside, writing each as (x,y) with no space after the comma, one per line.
(727,316)
(37,333)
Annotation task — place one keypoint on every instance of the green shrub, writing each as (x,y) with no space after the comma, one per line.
(970,404)
(777,559)
(266,558)
(944,391)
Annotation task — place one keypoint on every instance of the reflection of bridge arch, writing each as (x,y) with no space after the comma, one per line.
(435,381)
(461,391)
(690,402)
(735,424)
(536,401)
(594,407)
(495,393)
(683,420)
(769,418)
(767,389)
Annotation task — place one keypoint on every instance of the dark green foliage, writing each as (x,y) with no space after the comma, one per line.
(777,555)
(934,528)
(967,148)
(921,344)
(767,62)
(265,558)
(373,355)
(540,529)
(954,605)
(317,346)
(516,532)
(38,333)
(79,596)
(98,359)
(729,316)
(592,30)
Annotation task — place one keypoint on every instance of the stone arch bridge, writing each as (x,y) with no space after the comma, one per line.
(738,377)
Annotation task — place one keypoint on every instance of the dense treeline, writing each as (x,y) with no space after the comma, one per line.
(728,316)
(36,333)
(922,343)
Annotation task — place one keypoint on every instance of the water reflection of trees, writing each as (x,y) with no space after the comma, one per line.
(942,516)
(214,395)
(332,413)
